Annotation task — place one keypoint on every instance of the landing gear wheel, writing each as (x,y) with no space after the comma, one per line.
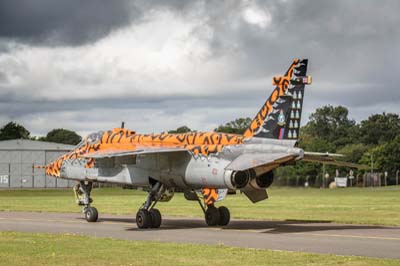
(224,215)
(91,214)
(155,218)
(143,219)
(212,216)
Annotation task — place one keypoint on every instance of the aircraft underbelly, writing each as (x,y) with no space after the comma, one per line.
(173,169)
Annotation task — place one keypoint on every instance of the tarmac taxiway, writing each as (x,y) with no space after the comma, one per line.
(315,237)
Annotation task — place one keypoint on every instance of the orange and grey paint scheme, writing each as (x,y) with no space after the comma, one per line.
(208,162)
(198,143)
(274,120)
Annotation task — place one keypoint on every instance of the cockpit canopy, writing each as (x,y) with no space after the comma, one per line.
(92,138)
(96,137)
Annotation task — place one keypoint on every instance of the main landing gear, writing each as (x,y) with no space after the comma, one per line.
(213,216)
(217,216)
(148,216)
(82,197)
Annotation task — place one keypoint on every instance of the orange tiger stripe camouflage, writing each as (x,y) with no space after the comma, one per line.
(199,143)
(282,84)
(210,195)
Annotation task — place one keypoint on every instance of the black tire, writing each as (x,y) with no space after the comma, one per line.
(91,214)
(143,219)
(224,215)
(155,218)
(212,216)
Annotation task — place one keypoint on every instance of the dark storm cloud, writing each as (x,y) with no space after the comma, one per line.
(353,47)
(71,22)
(333,34)
(16,107)
(349,43)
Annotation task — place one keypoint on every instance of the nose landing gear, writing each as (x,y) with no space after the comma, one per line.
(82,197)
(91,214)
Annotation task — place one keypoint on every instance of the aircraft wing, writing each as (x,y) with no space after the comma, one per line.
(131,150)
(329,158)
(253,160)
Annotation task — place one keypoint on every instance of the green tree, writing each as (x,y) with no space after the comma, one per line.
(182,129)
(354,152)
(386,157)
(332,125)
(237,126)
(13,130)
(316,144)
(64,136)
(379,128)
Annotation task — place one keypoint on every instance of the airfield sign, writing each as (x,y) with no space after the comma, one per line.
(4,179)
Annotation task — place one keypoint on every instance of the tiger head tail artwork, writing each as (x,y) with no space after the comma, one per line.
(204,165)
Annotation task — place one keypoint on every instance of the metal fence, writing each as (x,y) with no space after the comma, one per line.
(375,179)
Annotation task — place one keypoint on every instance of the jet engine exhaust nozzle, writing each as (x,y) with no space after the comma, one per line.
(263,181)
(240,179)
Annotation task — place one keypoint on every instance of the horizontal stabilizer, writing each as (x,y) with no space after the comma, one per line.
(323,154)
(329,158)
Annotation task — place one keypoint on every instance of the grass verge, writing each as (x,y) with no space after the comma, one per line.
(66,249)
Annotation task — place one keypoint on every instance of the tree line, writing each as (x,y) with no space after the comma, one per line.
(375,140)
(13,130)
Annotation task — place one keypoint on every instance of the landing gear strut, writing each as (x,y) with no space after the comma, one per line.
(82,197)
(213,215)
(148,216)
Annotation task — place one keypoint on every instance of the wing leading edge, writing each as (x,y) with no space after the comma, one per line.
(134,150)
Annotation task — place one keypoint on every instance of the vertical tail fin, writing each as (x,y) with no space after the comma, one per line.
(279,117)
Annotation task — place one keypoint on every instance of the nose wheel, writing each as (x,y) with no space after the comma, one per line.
(91,214)
(82,192)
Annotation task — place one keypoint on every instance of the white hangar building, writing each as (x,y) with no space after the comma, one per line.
(17,158)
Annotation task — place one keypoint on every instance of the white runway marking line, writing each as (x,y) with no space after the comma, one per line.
(351,236)
(311,234)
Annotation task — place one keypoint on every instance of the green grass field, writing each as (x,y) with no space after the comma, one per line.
(62,249)
(380,206)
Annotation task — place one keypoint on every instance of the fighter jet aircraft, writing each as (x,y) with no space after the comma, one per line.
(202,164)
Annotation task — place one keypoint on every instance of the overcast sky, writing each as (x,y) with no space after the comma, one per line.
(88,65)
